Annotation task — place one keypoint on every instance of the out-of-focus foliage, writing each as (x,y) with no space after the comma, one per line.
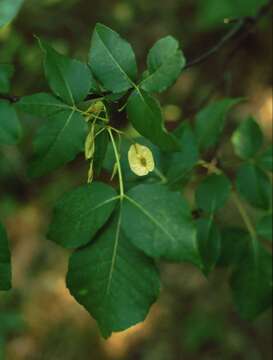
(195,318)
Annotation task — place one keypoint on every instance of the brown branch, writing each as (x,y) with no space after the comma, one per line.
(243,26)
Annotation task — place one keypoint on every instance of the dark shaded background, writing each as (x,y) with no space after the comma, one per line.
(194,319)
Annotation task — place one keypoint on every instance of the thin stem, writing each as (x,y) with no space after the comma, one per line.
(246,218)
(121,185)
(160,175)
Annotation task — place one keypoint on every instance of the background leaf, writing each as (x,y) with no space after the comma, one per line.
(112,60)
(210,122)
(265,160)
(247,139)
(213,192)
(251,282)
(264,227)
(10,128)
(5,261)
(8,10)
(234,245)
(79,214)
(254,185)
(159,222)
(114,281)
(209,243)
(180,164)
(6,73)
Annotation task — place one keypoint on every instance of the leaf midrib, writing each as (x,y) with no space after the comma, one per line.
(115,60)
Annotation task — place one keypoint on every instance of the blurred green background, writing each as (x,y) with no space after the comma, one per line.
(195,318)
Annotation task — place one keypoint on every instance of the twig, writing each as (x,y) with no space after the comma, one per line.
(10,98)
(245,25)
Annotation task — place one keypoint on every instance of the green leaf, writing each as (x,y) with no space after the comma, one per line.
(101,144)
(234,244)
(181,163)
(8,10)
(254,185)
(10,128)
(247,139)
(69,79)
(209,243)
(114,281)
(145,114)
(159,222)
(81,213)
(5,261)
(213,192)
(165,63)
(43,105)
(112,60)
(58,142)
(210,122)
(251,282)
(6,73)
(264,227)
(265,160)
